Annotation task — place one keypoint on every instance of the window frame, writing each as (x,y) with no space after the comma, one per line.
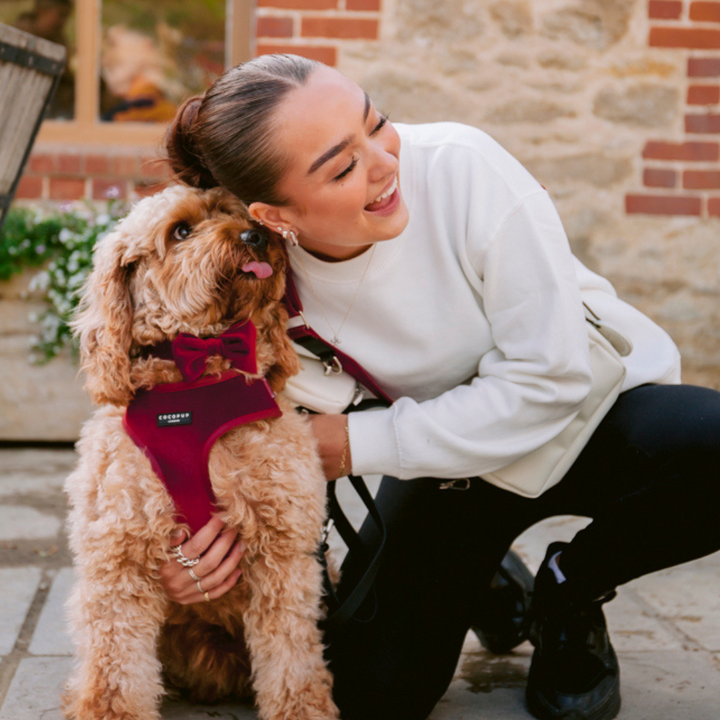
(86,127)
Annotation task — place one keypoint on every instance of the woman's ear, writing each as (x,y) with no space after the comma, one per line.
(275,217)
(103,323)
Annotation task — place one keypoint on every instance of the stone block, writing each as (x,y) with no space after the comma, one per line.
(528,110)
(51,635)
(515,18)
(645,104)
(597,24)
(17,590)
(24,523)
(600,170)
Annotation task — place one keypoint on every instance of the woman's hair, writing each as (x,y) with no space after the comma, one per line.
(225,137)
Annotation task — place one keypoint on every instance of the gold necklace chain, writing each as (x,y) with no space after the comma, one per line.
(336,339)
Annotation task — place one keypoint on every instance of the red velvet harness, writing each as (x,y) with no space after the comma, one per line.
(176,425)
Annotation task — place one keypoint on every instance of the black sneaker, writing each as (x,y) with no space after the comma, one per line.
(574,674)
(502,617)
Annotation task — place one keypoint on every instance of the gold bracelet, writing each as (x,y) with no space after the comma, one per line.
(346,447)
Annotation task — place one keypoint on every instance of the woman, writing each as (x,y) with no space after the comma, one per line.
(435,260)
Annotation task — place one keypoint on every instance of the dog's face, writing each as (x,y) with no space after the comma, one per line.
(184,260)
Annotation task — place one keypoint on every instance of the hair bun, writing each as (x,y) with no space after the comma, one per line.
(183,154)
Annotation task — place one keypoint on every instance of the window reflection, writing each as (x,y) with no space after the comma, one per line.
(155,53)
(51,20)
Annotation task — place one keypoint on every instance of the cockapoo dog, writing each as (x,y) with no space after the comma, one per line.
(180,263)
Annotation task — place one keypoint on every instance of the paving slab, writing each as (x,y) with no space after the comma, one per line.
(18,522)
(17,590)
(35,690)
(51,636)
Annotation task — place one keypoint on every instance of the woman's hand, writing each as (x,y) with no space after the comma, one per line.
(333,444)
(218,567)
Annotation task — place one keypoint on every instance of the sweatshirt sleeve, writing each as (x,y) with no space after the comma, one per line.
(528,388)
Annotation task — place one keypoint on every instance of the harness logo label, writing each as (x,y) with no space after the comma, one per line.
(172,419)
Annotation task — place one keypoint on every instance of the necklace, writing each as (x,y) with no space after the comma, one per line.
(336,333)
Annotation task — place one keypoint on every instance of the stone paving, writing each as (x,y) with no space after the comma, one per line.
(665,627)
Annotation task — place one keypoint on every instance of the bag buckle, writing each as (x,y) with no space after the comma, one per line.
(458,484)
(333,366)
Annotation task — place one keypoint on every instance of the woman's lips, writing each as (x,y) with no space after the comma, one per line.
(387,201)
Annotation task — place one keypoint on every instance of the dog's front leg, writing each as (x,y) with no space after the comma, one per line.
(115,627)
(290,676)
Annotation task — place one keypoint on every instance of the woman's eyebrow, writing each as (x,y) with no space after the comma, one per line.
(337,149)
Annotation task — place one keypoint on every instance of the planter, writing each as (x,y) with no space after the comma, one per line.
(37,402)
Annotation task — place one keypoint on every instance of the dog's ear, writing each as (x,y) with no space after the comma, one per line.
(286,360)
(103,323)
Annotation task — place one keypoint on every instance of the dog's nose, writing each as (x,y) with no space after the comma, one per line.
(254,238)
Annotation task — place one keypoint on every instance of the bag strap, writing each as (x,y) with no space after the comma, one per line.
(334,360)
(340,610)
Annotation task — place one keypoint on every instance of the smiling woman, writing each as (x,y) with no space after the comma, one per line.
(442,267)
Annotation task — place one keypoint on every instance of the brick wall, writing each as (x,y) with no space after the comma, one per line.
(681,176)
(313,28)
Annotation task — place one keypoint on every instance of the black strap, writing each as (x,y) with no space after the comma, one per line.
(341,610)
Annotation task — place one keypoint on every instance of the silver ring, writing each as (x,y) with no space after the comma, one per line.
(176,550)
(193,575)
(200,587)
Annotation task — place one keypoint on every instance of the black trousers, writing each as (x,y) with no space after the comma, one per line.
(650,480)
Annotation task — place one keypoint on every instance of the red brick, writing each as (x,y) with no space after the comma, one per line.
(662,205)
(692,151)
(714,206)
(97,164)
(703,95)
(657,177)
(154,168)
(703,67)
(104,189)
(41,163)
(274,27)
(709,123)
(300,4)
(67,188)
(124,165)
(682,37)
(29,188)
(362,5)
(705,11)
(665,9)
(341,28)
(323,54)
(701,179)
(69,164)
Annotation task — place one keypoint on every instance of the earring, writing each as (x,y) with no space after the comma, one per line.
(294,239)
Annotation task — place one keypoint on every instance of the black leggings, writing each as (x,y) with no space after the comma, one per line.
(650,480)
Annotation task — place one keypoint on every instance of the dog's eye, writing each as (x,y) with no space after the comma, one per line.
(182,231)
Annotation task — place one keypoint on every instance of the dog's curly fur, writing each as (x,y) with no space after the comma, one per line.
(148,285)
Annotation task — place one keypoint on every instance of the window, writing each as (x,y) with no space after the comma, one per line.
(132,62)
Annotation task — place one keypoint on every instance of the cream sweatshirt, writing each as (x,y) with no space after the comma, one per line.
(472,318)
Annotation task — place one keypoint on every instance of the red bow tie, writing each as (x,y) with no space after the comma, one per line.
(237,344)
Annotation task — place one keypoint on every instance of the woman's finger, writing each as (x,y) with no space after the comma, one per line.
(215,554)
(226,568)
(203,538)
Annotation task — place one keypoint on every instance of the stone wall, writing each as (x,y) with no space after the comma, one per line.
(574,89)
(37,402)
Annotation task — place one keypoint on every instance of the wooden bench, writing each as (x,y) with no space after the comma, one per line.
(30,68)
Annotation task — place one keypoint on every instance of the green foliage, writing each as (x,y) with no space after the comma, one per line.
(61,242)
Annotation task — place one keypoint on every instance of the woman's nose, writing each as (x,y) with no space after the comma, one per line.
(254,238)
(385,162)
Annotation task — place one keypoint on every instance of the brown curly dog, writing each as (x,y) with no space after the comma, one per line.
(175,265)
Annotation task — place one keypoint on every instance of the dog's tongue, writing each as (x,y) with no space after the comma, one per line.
(261,269)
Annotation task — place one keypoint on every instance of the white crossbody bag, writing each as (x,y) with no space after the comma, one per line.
(539,470)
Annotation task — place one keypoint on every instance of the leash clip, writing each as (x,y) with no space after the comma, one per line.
(327,528)
(458,484)
(333,367)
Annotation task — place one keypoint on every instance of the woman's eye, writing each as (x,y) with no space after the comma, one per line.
(182,231)
(347,170)
(380,125)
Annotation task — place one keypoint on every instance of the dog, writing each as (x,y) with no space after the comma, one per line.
(188,261)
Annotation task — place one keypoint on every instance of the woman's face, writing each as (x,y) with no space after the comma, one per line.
(342,174)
